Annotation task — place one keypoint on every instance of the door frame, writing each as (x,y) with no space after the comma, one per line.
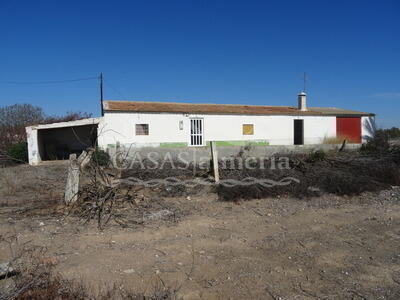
(298,140)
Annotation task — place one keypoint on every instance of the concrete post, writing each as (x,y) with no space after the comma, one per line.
(72,187)
(33,146)
(214,160)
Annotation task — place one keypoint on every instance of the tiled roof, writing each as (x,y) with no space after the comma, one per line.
(196,108)
(338,111)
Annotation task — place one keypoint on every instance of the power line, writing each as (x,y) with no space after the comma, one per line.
(49,82)
(114,89)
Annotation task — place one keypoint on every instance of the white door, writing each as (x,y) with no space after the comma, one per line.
(196,132)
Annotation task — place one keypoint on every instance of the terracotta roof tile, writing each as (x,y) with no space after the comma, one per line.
(192,108)
(196,108)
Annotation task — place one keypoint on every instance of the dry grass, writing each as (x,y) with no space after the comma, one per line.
(28,190)
(10,182)
(36,278)
(44,284)
(333,140)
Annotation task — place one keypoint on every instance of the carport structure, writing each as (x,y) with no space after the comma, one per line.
(58,140)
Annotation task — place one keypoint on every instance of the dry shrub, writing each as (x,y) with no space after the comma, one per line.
(261,170)
(339,174)
(37,279)
(104,197)
(378,145)
(9,182)
(344,183)
(316,155)
(47,285)
(257,191)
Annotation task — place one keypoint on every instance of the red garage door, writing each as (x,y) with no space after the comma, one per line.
(349,128)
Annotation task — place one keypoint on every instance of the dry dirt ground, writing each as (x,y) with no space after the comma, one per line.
(326,247)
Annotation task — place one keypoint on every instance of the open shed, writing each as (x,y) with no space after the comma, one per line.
(58,140)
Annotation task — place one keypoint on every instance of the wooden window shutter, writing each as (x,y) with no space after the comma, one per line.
(248,129)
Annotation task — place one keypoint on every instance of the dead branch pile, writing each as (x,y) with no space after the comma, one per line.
(98,198)
(104,198)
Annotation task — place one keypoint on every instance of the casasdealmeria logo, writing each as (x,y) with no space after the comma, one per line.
(185,161)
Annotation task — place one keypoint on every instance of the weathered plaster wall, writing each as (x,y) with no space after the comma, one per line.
(164,128)
(33,146)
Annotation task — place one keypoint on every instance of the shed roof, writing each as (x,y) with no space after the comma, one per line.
(201,108)
(82,122)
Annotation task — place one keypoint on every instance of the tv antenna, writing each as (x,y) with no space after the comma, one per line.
(304,82)
(101,93)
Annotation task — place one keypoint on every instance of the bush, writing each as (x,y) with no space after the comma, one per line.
(379,144)
(18,152)
(101,158)
(392,133)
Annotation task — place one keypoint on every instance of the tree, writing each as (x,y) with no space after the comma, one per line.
(14,119)
(69,116)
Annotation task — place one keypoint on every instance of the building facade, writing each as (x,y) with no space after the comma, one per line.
(137,124)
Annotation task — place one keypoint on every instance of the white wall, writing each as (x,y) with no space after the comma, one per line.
(33,146)
(164,128)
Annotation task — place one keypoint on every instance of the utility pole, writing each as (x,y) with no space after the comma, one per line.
(101,93)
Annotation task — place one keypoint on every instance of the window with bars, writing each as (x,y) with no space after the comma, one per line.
(142,129)
(196,132)
(248,129)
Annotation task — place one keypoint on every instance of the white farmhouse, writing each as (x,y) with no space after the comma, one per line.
(137,124)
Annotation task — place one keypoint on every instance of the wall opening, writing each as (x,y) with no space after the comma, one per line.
(59,143)
(298,132)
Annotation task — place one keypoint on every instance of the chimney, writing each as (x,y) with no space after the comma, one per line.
(302,101)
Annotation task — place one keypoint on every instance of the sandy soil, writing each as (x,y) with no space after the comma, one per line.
(283,248)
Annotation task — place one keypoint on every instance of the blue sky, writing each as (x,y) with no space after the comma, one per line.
(250,52)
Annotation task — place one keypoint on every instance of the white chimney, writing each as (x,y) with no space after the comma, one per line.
(302,101)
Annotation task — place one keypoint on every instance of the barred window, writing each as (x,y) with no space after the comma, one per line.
(196,132)
(248,129)
(142,129)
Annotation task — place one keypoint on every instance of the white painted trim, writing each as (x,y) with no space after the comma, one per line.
(83,122)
